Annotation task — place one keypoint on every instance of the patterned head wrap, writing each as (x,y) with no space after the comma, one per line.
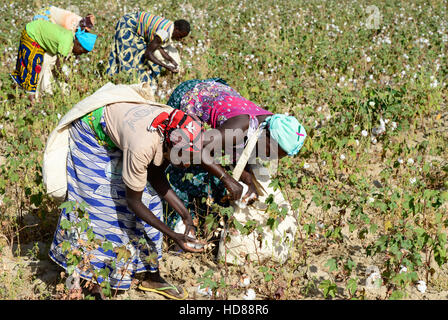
(287,131)
(179,130)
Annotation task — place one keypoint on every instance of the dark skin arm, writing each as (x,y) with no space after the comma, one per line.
(234,188)
(239,122)
(156,44)
(162,186)
(168,57)
(57,71)
(134,201)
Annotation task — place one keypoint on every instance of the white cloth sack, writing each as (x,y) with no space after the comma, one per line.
(275,244)
(172,52)
(46,80)
(44,84)
(54,168)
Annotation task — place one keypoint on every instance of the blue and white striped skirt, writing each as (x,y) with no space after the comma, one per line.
(94,177)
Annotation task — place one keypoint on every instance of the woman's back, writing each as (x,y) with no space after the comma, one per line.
(214,103)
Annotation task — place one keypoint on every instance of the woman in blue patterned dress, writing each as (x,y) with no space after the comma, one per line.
(137,38)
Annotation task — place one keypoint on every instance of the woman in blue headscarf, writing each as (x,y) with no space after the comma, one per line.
(214,102)
(40,37)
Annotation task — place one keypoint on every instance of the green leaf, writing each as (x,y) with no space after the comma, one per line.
(65,224)
(66,246)
(352,286)
(332,264)
(107,245)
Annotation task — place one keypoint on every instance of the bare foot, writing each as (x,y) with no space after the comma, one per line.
(97,292)
(158,284)
(32,99)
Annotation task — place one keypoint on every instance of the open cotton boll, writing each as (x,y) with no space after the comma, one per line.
(241,203)
(421,286)
(250,295)
(66,70)
(204,291)
(180,228)
(245,281)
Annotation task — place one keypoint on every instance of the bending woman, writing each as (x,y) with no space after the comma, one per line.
(116,162)
(40,37)
(142,45)
(213,102)
(68,20)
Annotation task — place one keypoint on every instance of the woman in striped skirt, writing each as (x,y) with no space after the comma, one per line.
(115,168)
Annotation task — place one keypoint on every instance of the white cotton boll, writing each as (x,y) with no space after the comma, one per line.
(250,295)
(413,180)
(370,200)
(204,291)
(374,280)
(245,281)
(342,157)
(66,70)
(72,281)
(180,228)
(241,203)
(364,133)
(373,140)
(306,166)
(421,286)
(400,160)
(357,142)
(368,59)
(393,125)
(381,129)
(403,269)
(410,161)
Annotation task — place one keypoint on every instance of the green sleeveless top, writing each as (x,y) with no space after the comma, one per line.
(94,120)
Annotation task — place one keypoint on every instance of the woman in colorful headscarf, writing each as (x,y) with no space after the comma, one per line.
(42,36)
(213,102)
(142,45)
(115,164)
(68,20)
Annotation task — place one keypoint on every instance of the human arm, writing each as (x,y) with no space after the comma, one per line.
(226,137)
(161,185)
(246,177)
(58,71)
(166,56)
(156,44)
(135,204)
(235,189)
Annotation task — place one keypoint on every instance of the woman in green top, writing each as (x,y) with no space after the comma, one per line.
(42,36)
